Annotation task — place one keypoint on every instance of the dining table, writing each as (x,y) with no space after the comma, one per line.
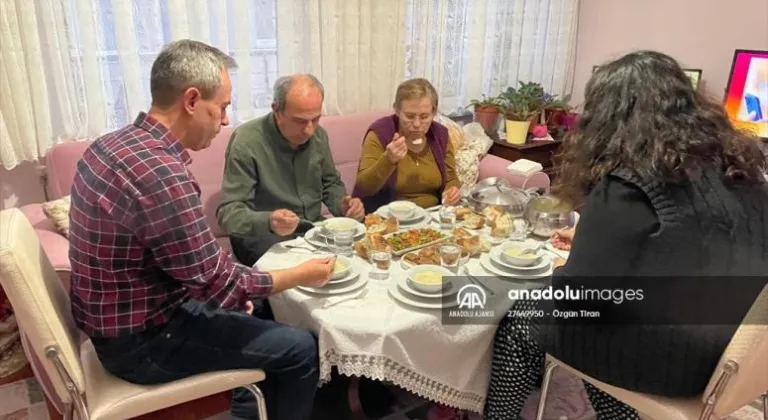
(374,326)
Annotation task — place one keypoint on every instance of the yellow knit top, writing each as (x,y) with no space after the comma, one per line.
(418,176)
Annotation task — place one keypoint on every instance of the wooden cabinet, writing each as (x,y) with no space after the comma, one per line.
(541,152)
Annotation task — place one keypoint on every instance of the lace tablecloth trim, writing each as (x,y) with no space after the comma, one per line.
(382,368)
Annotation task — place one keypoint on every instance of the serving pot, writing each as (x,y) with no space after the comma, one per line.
(497,192)
(544,213)
(547,213)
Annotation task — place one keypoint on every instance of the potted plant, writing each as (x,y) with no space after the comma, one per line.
(553,111)
(520,108)
(487,112)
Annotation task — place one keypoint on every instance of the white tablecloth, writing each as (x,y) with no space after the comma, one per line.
(371,334)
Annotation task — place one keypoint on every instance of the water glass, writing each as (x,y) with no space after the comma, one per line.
(450,254)
(520,230)
(340,241)
(447,217)
(381,260)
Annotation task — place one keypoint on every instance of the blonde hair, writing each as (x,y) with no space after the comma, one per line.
(418,88)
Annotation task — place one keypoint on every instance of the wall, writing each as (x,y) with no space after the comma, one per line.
(698,33)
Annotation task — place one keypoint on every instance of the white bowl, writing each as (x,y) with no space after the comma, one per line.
(401,208)
(342,267)
(510,253)
(422,284)
(339,223)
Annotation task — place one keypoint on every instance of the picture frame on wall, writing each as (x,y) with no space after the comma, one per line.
(693,74)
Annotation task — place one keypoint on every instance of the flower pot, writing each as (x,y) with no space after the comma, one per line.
(488,118)
(517,131)
(570,121)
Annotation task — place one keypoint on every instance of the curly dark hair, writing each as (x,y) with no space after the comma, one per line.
(641,112)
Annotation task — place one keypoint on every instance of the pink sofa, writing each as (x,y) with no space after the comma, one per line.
(345,133)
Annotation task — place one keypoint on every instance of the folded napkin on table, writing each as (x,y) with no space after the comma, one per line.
(524,167)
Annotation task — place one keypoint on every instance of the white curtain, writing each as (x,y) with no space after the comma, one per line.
(472,47)
(73,69)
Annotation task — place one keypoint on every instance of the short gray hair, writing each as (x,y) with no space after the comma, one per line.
(283,86)
(183,64)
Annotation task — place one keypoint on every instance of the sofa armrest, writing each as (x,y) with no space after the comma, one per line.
(494,166)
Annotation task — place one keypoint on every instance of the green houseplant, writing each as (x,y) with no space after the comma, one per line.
(521,105)
(486,111)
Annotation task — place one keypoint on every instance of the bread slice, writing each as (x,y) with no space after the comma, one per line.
(492,212)
(502,226)
(462,213)
(474,221)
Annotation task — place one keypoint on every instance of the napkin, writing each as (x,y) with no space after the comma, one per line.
(524,167)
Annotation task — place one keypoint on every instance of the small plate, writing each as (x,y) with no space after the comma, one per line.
(359,229)
(417,216)
(337,289)
(492,268)
(419,302)
(495,255)
(451,289)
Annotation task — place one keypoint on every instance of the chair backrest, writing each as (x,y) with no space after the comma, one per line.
(749,349)
(39,301)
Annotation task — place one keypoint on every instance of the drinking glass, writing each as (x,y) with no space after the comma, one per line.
(447,217)
(520,230)
(450,254)
(381,261)
(340,241)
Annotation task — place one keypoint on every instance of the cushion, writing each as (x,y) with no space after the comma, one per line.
(455,133)
(467,167)
(58,212)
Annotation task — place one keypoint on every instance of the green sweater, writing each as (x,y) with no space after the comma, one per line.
(263,173)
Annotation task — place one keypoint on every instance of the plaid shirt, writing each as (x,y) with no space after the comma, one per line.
(139,242)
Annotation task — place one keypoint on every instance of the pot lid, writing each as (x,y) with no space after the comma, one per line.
(499,194)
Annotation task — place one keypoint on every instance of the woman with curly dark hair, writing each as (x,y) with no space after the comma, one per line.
(671,193)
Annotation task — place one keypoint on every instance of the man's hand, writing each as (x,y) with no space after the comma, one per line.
(316,272)
(451,196)
(396,149)
(352,208)
(283,222)
(248,307)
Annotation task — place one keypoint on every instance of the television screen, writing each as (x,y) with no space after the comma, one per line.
(746,96)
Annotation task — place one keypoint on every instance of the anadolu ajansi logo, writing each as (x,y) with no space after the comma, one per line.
(471,296)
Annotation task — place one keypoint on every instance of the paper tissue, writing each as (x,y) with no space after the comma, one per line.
(524,167)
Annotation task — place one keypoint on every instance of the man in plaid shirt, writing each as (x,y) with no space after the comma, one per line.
(159,298)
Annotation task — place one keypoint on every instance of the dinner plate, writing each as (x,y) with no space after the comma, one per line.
(419,302)
(496,257)
(560,252)
(315,237)
(488,265)
(417,216)
(449,290)
(353,274)
(337,289)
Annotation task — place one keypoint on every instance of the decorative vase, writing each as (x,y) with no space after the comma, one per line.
(488,118)
(517,131)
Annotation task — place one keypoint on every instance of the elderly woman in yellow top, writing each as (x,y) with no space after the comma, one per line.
(407,155)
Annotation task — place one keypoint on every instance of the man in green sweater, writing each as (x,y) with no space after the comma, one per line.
(279,171)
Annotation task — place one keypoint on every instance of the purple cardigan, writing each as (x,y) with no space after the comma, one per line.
(385,128)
